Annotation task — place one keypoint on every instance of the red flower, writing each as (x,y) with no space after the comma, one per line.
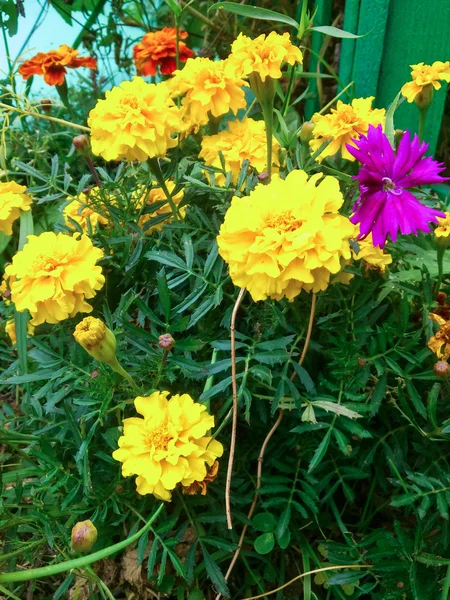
(53,65)
(159,48)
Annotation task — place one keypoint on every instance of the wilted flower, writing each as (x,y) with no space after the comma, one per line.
(53,65)
(439,343)
(286,236)
(53,276)
(157,195)
(169,445)
(209,87)
(135,121)
(265,55)
(12,201)
(84,536)
(426,77)
(158,48)
(243,140)
(10,329)
(343,125)
(202,486)
(80,210)
(385,206)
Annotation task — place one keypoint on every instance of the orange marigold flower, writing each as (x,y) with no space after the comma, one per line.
(53,65)
(160,48)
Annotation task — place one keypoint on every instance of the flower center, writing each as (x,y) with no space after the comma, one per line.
(283,221)
(130,101)
(391,186)
(159,437)
(46,263)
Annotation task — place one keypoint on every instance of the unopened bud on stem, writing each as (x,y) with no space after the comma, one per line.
(84,536)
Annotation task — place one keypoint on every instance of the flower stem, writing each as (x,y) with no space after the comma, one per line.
(77,563)
(177,41)
(265,94)
(117,368)
(290,87)
(94,173)
(422,119)
(28,113)
(156,170)
(440,263)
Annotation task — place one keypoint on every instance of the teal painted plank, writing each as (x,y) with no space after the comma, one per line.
(323,17)
(373,16)
(418,34)
(351,16)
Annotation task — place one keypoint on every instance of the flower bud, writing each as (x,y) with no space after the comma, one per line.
(84,536)
(441,298)
(6,294)
(424,98)
(166,342)
(81,142)
(96,339)
(306,132)
(362,362)
(263,177)
(46,105)
(442,369)
(94,374)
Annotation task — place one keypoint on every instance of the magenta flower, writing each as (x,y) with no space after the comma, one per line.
(385,206)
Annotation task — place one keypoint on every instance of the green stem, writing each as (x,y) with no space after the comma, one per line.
(290,87)
(27,113)
(156,170)
(265,93)
(177,41)
(422,119)
(80,562)
(440,262)
(117,368)
(268,118)
(446,588)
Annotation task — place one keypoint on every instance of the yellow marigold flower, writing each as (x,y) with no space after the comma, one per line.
(209,87)
(157,195)
(264,55)
(10,329)
(243,140)
(426,75)
(55,274)
(286,236)
(372,256)
(80,209)
(12,201)
(135,121)
(344,123)
(442,231)
(169,445)
(439,343)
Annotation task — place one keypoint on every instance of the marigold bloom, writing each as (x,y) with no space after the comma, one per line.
(53,65)
(80,210)
(243,140)
(10,329)
(442,231)
(54,275)
(135,121)
(12,201)
(169,445)
(425,75)
(209,87)
(385,207)
(286,236)
(202,486)
(157,195)
(158,48)
(343,125)
(264,55)
(439,343)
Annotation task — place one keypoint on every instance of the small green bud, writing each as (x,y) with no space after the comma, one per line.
(84,536)
(306,132)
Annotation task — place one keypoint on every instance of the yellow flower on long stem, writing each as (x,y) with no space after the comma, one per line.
(286,236)
(53,276)
(169,445)
(343,124)
(12,201)
(426,76)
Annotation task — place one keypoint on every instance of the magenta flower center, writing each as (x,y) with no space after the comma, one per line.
(391,186)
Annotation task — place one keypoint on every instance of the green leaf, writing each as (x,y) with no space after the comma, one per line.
(164,295)
(188,250)
(336,408)
(320,451)
(253,12)
(416,399)
(335,32)
(9,8)
(264,543)
(283,522)
(167,258)
(214,573)
(174,7)
(378,394)
(389,125)
(264,522)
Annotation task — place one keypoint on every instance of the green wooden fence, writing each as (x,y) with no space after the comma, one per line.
(400,33)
